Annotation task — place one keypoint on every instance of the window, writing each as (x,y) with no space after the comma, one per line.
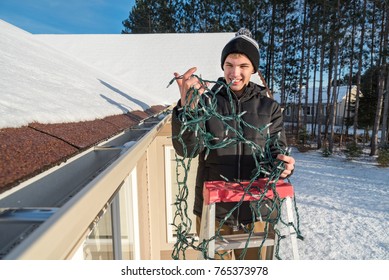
(309,111)
(119,219)
(287,111)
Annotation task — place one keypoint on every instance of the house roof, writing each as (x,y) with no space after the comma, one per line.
(64,93)
(29,150)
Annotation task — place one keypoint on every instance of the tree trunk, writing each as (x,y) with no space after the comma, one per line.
(335,84)
(360,60)
(307,81)
(319,99)
(329,87)
(302,125)
(271,51)
(384,132)
(351,67)
(377,119)
(314,117)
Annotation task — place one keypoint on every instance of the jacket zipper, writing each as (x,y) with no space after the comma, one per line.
(236,227)
(239,143)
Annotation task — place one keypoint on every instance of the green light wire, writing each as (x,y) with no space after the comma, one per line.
(194,119)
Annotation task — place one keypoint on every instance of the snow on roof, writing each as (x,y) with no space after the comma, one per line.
(147,61)
(41,84)
(70,78)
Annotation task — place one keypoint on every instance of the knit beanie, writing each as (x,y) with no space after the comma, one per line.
(242,43)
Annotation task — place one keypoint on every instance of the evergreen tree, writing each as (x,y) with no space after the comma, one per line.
(140,19)
(151,17)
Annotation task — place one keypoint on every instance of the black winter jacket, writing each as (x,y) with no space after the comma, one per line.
(235,161)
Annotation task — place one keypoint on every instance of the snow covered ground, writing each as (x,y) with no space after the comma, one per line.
(343,207)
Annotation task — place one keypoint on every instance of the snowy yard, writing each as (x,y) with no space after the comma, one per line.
(343,207)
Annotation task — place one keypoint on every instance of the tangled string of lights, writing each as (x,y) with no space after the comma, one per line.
(198,110)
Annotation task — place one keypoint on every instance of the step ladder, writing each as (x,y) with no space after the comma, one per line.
(221,191)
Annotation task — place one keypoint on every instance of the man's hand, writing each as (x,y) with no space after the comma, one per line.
(289,165)
(188,83)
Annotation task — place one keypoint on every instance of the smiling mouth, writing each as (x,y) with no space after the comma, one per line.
(235,82)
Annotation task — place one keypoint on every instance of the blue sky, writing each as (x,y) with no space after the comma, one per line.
(66,16)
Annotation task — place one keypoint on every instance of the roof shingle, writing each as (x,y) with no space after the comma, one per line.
(29,150)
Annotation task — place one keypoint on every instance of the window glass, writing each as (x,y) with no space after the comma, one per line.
(98,244)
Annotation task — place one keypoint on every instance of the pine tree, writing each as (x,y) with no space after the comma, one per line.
(140,19)
(151,17)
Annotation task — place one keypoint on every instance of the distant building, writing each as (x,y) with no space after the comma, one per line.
(345,96)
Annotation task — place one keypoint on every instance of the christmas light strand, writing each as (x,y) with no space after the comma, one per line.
(198,109)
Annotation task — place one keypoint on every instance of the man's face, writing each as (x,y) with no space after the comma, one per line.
(237,68)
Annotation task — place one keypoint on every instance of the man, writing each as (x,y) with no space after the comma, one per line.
(239,60)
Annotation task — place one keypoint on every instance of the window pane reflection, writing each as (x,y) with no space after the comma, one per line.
(127,224)
(98,245)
